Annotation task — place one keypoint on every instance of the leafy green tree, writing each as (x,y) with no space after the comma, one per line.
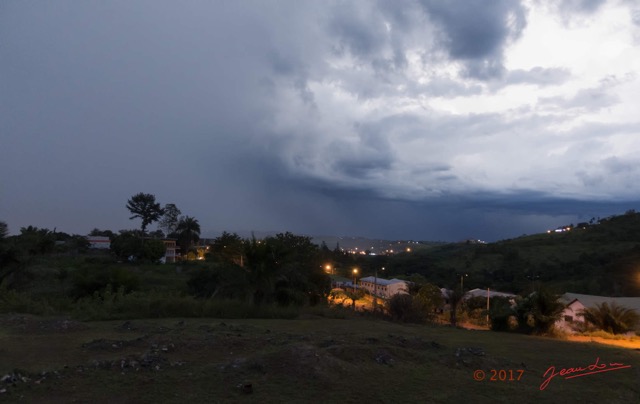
(228,247)
(8,254)
(145,207)
(128,245)
(35,241)
(286,269)
(347,295)
(500,313)
(188,230)
(4,231)
(403,307)
(476,308)
(170,218)
(156,234)
(102,233)
(76,244)
(612,318)
(226,281)
(153,250)
(292,248)
(429,300)
(415,283)
(261,267)
(299,269)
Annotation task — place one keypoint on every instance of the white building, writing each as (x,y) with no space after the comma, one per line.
(575,303)
(171,253)
(383,287)
(99,242)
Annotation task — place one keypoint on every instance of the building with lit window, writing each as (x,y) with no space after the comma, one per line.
(383,287)
(171,252)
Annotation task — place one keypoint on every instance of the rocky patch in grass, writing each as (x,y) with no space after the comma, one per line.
(31,324)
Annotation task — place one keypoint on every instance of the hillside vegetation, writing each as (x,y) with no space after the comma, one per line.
(601,259)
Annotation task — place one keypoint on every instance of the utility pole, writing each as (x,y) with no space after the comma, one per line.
(375,290)
(488,292)
(533,279)
(355,273)
(462,276)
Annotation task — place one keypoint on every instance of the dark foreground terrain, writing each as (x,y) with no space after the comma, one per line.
(311,359)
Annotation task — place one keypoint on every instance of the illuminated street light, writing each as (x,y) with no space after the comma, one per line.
(355,274)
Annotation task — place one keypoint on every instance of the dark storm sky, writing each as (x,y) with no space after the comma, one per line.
(422,120)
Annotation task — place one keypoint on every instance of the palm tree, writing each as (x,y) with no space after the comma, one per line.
(538,312)
(188,230)
(261,266)
(612,318)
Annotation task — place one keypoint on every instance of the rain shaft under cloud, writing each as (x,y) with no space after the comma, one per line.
(411,119)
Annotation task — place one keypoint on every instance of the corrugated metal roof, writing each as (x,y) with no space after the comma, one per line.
(381,281)
(592,301)
(483,293)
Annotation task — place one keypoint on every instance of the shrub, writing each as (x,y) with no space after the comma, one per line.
(130,245)
(402,307)
(227,281)
(501,314)
(87,281)
(538,312)
(612,318)
(429,300)
(12,301)
(109,305)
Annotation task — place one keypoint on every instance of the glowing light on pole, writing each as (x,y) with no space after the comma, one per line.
(355,273)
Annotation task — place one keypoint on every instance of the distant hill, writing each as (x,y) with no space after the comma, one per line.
(347,243)
(598,258)
(601,257)
(375,246)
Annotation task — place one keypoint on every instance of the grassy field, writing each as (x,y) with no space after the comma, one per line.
(310,359)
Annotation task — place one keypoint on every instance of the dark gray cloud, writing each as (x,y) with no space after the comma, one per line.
(360,33)
(367,118)
(476,31)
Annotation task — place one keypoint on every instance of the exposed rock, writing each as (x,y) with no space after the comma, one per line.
(384,358)
(245,388)
(126,326)
(15,377)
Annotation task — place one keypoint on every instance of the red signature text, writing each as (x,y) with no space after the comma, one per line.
(570,373)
